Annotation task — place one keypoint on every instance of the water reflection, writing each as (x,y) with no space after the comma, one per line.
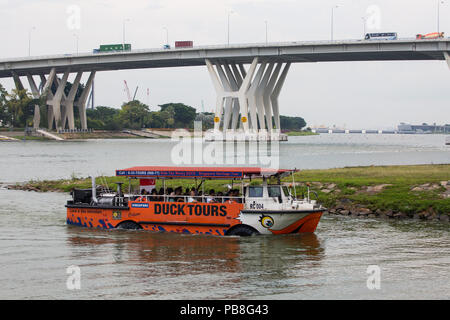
(178,254)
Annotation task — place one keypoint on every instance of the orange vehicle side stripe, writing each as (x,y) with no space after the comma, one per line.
(178,223)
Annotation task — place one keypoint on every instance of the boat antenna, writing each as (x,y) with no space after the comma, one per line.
(103,179)
(293,184)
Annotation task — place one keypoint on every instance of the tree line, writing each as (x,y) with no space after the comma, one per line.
(17,109)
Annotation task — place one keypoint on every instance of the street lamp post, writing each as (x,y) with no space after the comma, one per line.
(76,36)
(123,32)
(266,30)
(332,20)
(167,35)
(439,2)
(29,40)
(229,13)
(364,26)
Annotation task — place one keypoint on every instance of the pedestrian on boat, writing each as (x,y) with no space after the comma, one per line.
(210,198)
(192,196)
(153,195)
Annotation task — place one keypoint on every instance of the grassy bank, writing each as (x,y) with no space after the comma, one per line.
(421,191)
(402,191)
(301,133)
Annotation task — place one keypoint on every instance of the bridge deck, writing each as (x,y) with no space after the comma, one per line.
(323,51)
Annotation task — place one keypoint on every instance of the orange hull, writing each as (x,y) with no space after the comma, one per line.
(202,218)
(179,217)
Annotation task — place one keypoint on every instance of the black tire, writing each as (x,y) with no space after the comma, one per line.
(242,230)
(129,225)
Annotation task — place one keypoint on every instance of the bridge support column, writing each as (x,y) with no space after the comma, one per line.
(60,111)
(68,115)
(81,102)
(447,58)
(226,87)
(275,94)
(47,91)
(247,94)
(36,95)
(57,98)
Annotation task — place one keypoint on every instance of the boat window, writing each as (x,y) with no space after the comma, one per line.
(255,192)
(286,191)
(274,192)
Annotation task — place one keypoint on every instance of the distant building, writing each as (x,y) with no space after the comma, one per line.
(423,128)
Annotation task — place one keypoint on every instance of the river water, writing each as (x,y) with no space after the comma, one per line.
(37,247)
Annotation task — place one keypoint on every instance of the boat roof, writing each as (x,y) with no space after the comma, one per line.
(201,172)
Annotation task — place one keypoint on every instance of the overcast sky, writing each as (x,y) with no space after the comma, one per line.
(351,94)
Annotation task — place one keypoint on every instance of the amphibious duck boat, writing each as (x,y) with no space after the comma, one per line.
(264,206)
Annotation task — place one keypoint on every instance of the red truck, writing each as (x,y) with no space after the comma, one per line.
(184,44)
(434,35)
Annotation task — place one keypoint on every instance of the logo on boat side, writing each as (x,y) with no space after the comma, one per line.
(117,215)
(266,221)
(190,209)
(139,205)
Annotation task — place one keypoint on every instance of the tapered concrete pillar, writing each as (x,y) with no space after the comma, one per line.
(234,108)
(238,79)
(254,93)
(235,102)
(56,101)
(219,92)
(62,103)
(81,103)
(276,93)
(243,95)
(17,81)
(447,58)
(270,113)
(36,95)
(47,91)
(68,115)
(260,98)
(256,113)
(228,99)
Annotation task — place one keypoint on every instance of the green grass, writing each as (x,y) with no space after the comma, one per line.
(397,197)
(301,133)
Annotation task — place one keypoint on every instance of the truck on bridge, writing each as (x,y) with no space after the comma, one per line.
(433,35)
(184,44)
(113,48)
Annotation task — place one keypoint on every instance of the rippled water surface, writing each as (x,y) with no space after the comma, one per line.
(37,247)
(22,161)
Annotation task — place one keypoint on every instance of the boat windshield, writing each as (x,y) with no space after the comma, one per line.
(255,192)
(274,191)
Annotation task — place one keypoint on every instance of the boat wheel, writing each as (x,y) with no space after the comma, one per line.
(242,230)
(129,225)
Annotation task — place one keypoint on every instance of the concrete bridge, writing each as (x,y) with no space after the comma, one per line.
(247,97)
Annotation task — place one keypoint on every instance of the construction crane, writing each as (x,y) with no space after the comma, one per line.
(127,90)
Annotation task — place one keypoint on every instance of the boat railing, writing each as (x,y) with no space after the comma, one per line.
(188,198)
